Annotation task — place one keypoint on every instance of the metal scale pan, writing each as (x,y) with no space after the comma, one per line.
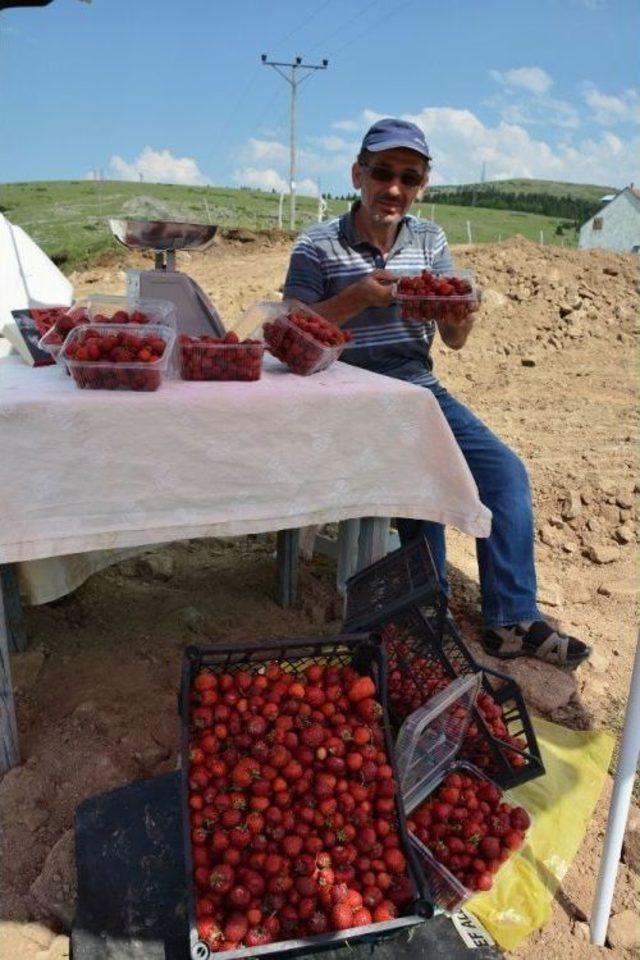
(196,313)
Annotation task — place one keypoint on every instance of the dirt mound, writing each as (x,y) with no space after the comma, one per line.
(550,367)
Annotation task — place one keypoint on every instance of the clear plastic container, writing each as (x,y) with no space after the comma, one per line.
(108,309)
(298,349)
(448,892)
(437,297)
(430,738)
(426,750)
(115,374)
(204,358)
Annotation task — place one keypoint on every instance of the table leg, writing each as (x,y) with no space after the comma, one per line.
(13,608)
(287,562)
(9,752)
(348,533)
(373,540)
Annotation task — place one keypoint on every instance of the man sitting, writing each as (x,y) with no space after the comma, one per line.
(345,269)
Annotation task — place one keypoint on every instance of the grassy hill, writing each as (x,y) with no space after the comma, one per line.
(68,219)
(555,188)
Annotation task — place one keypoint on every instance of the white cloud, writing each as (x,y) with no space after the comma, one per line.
(334,144)
(158,166)
(534,79)
(270,179)
(538,111)
(347,125)
(265,151)
(460,143)
(607,109)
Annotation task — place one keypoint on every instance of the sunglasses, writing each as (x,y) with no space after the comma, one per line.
(408,178)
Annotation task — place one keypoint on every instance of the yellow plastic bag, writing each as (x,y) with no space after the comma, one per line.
(561,805)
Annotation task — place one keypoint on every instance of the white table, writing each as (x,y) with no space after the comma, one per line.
(95,470)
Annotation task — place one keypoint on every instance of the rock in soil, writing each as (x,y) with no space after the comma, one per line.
(55,889)
(631,847)
(603,554)
(24,941)
(624,930)
(544,686)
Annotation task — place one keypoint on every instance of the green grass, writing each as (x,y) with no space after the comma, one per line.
(68,219)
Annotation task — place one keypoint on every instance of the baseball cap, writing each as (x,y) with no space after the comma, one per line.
(389,133)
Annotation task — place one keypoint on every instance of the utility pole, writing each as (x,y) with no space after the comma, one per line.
(294,79)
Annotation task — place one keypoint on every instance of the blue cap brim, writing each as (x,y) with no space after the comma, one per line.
(396,144)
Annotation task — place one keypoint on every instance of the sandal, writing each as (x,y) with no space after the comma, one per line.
(537,639)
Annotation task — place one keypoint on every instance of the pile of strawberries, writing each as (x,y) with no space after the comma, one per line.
(306,342)
(77,316)
(292,805)
(220,358)
(433,297)
(114,360)
(47,317)
(414,678)
(469,829)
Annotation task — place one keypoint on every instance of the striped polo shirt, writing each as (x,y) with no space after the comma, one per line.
(327,257)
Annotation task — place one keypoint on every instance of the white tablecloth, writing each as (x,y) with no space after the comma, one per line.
(85,470)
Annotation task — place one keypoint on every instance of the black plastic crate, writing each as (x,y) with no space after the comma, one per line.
(367,656)
(405,577)
(424,657)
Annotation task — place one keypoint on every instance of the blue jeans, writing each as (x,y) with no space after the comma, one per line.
(505,559)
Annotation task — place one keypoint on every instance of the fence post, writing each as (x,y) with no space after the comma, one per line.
(469,231)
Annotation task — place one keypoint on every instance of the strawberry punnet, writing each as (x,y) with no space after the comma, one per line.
(468,828)
(433,297)
(291,835)
(220,358)
(306,342)
(115,360)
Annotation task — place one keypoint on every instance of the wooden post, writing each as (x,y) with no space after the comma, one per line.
(13,608)
(9,752)
(287,562)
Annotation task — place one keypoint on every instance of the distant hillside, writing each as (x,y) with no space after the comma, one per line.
(575,202)
(69,218)
(555,188)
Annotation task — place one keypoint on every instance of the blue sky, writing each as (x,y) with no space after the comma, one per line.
(175,92)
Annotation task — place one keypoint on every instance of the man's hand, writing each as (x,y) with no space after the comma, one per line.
(374,290)
(455,332)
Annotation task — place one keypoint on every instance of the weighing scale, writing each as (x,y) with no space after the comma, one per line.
(196,313)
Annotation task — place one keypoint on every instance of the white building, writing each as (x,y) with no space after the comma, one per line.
(616,226)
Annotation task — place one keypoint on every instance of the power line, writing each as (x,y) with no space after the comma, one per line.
(294,80)
(307,20)
(372,26)
(346,23)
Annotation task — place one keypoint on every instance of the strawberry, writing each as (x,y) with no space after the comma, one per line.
(342,916)
(361,689)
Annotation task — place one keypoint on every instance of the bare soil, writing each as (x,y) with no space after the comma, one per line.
(550,367)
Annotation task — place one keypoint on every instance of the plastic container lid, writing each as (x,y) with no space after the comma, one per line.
(431,736)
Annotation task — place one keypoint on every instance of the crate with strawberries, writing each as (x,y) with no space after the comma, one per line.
(299,337)
(220,358)
(422,662)
(462,825)
(295,824)
(433,296)
(114,357)
(399,597)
